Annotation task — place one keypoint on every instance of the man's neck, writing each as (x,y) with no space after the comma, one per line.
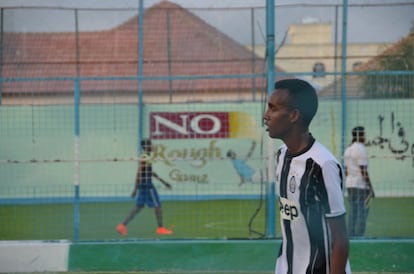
(299,143)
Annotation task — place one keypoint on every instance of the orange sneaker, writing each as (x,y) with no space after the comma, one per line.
(164,231)
(122,229)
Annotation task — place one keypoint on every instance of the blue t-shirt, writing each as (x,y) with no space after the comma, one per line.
(145,181)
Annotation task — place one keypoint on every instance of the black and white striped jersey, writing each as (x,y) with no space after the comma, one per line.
(310,189)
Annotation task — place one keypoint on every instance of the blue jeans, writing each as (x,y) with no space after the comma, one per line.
(358,212)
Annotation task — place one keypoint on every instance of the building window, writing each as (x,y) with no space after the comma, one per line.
(319,70)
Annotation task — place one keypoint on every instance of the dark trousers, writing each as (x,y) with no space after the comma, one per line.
(358,212)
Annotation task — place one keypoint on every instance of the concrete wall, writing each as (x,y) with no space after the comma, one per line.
(186,256)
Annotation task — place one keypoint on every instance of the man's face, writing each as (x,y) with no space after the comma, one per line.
(361,136)
(278,116)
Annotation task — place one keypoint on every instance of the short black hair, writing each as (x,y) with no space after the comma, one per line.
(358,132)
(145,142)
(302,97)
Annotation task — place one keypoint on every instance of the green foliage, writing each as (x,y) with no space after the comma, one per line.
(402,60)
(393,85)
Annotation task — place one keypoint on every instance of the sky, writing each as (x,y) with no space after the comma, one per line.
(365,24)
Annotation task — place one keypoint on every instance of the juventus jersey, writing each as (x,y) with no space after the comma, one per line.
(309,185)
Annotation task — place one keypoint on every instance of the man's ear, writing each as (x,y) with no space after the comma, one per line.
(294,115)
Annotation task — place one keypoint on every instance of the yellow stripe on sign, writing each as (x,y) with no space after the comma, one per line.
(242,125)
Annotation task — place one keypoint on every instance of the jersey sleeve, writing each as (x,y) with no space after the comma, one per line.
(332,174)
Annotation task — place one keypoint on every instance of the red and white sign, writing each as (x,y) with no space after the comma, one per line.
(189,125)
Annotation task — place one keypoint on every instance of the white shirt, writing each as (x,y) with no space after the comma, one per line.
(355,156)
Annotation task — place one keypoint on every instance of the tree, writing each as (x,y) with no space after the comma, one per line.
(393,84)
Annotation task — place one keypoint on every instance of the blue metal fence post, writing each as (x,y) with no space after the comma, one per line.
(1,53)
(270,49)
(140,72)
(343,73)
(76,213)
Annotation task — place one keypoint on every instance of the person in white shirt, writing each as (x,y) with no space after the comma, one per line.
(358,183)
(309,184)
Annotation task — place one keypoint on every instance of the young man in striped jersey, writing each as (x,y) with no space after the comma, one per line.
(309,183)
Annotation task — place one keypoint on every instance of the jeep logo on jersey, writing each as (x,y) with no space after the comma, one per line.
(189,125)
(288,209)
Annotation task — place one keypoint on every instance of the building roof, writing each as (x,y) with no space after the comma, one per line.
(176,43)
(334,90)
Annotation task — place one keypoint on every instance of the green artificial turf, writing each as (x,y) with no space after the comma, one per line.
(212,219)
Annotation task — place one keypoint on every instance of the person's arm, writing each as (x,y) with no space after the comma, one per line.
(362,159)
(340,244)
(365,175)
(165,183)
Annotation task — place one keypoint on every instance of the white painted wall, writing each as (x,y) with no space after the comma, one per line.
(31,256)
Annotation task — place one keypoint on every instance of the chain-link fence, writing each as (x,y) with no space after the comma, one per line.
(77,97)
